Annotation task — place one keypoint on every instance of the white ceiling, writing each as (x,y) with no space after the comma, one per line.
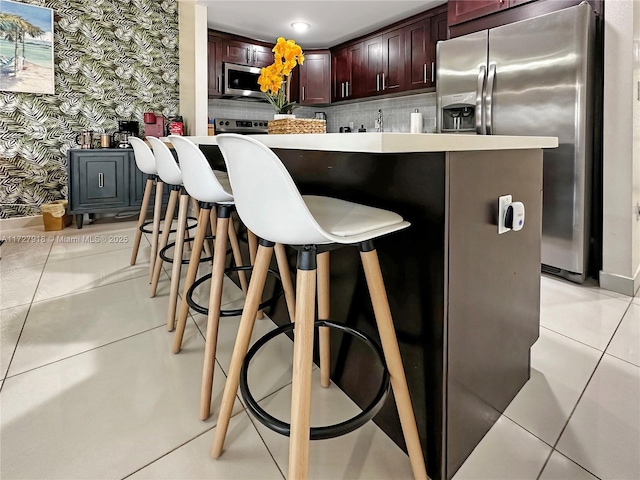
(332,21)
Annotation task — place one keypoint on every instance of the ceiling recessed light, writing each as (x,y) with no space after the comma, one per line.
(300,26)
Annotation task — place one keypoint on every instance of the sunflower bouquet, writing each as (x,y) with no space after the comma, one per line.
(275,80)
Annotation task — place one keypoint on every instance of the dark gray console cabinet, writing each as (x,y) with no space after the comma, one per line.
(103,180)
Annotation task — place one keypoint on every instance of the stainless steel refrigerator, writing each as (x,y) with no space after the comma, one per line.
(533,77)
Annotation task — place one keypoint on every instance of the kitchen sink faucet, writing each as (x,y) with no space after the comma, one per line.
(379,122)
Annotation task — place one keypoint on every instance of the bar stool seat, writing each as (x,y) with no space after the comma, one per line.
(269,203)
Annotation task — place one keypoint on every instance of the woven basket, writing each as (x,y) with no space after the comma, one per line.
(298,125)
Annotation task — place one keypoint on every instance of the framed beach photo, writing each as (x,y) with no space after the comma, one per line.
(26,48)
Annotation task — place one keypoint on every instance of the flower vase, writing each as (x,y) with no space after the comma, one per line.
(282,116)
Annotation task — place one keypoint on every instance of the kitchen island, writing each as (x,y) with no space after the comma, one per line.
(465,299)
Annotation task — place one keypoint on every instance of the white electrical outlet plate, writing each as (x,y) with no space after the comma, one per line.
(503,202)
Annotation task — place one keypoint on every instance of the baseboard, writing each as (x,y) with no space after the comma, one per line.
(20,222)
(620,283)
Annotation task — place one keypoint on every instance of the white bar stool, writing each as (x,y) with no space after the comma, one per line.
(169,172)
(146,163)
(211,188)
(280,214)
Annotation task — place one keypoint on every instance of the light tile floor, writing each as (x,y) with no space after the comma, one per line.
(88,388)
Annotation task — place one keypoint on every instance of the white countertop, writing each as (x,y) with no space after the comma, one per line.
(373,142)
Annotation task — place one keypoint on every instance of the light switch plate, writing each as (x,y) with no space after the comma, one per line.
(503,203)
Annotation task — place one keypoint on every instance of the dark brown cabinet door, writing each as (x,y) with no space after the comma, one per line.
(439,32)
(464,10)
(340,73)
(315,79)
(346,70)
(418,53)
(244,53)
(393,64)
(261,56)
(370,71)
(235,51)
(214,56)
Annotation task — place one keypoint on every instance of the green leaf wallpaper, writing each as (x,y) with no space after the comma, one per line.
(114,60)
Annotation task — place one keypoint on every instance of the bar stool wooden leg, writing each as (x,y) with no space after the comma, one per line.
(302,367)
(141,218)
(253,248)
(391,351)
(157,212)
(285,276)
(213,318)
(164,239)
(254,297)
(194,261)
(324,313)
(177,260)
(237,256)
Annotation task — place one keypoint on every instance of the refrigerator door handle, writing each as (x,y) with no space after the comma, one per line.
(489,99)
(482,74)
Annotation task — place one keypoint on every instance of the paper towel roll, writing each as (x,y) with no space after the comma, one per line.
(416,122)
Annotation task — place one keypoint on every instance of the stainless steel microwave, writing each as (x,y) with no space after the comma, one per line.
(240,81)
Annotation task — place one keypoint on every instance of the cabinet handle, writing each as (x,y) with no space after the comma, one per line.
(433,72)
(377,82)
(303,94)
(342,90)
(347,88)
(255,56)
(248,55)
(383,85)
(424,73)
(218,83)
(100,180)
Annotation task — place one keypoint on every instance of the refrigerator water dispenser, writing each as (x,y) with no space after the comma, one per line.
(458,113)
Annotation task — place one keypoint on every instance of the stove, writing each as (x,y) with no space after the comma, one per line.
(244,127)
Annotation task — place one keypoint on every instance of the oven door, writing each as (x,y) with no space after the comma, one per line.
(241,81)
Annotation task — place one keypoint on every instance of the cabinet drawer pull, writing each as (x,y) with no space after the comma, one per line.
(100,180)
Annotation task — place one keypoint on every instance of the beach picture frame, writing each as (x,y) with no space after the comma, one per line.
(26,48)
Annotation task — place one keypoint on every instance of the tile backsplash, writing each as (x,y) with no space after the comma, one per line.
(396,112)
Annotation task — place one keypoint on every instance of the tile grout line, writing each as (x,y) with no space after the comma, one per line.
(580,398)
(6,374)
(571,338)
(83,352)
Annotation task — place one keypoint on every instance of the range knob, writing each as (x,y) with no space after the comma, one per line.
(226,123)
(221,122)
(255,124)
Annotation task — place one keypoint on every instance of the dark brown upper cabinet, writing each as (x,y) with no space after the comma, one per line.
(315,78)
(346,72)
(245,53)
(214,62)
(396,59)
(393,61)
(465,10)
(383,63)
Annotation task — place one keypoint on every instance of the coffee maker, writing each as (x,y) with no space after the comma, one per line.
(153,125)
(126,128)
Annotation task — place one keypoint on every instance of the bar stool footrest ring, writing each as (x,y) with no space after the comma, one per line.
(324,432)
(185,261)
(238,311)
(173,230)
